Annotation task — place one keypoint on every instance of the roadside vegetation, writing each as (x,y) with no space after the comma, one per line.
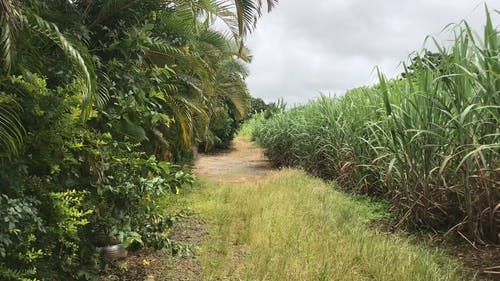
(291,226)
(101,103)
(428,141)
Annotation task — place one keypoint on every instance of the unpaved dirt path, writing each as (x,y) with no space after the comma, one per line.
(243,163)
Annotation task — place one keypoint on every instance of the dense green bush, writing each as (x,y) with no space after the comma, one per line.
(222,129)
(100,104)
(72,183)
(429,141)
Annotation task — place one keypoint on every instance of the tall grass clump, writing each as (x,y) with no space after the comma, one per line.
(428,141)
(251,124)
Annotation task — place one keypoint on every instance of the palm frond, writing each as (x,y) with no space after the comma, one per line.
(180,21)
(162,52)
(11,129)
(215,40)
(247,13)
(230,84)
(9,24)
(185,113)
(270,4)
(103,89)
(240,98)
(79,56)
(6,44)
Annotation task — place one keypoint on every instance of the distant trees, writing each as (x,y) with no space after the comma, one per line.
(435,61)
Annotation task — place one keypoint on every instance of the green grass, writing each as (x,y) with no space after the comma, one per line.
(291,226)
(247,129)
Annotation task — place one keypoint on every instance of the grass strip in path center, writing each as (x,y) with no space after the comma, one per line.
(291,226)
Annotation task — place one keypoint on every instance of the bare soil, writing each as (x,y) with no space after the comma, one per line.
(242,163)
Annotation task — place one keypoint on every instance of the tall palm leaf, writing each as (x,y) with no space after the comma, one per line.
(79,56)
(230,84)
(187,115)
(11,130)
(10,19)
(15,20)
(240,16)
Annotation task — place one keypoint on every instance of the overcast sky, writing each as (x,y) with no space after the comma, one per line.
(305,47)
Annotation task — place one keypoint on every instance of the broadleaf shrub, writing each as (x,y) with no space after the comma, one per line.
(73,188)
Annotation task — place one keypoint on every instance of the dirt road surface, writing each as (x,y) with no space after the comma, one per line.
(244,162)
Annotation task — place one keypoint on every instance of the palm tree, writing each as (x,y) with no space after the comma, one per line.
(17,26)
(85,32)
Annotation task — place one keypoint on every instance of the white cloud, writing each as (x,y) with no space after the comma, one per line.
(304,47)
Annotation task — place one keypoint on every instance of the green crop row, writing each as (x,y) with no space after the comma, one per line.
(429,141)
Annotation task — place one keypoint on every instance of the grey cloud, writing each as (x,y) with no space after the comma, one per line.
(304,47)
